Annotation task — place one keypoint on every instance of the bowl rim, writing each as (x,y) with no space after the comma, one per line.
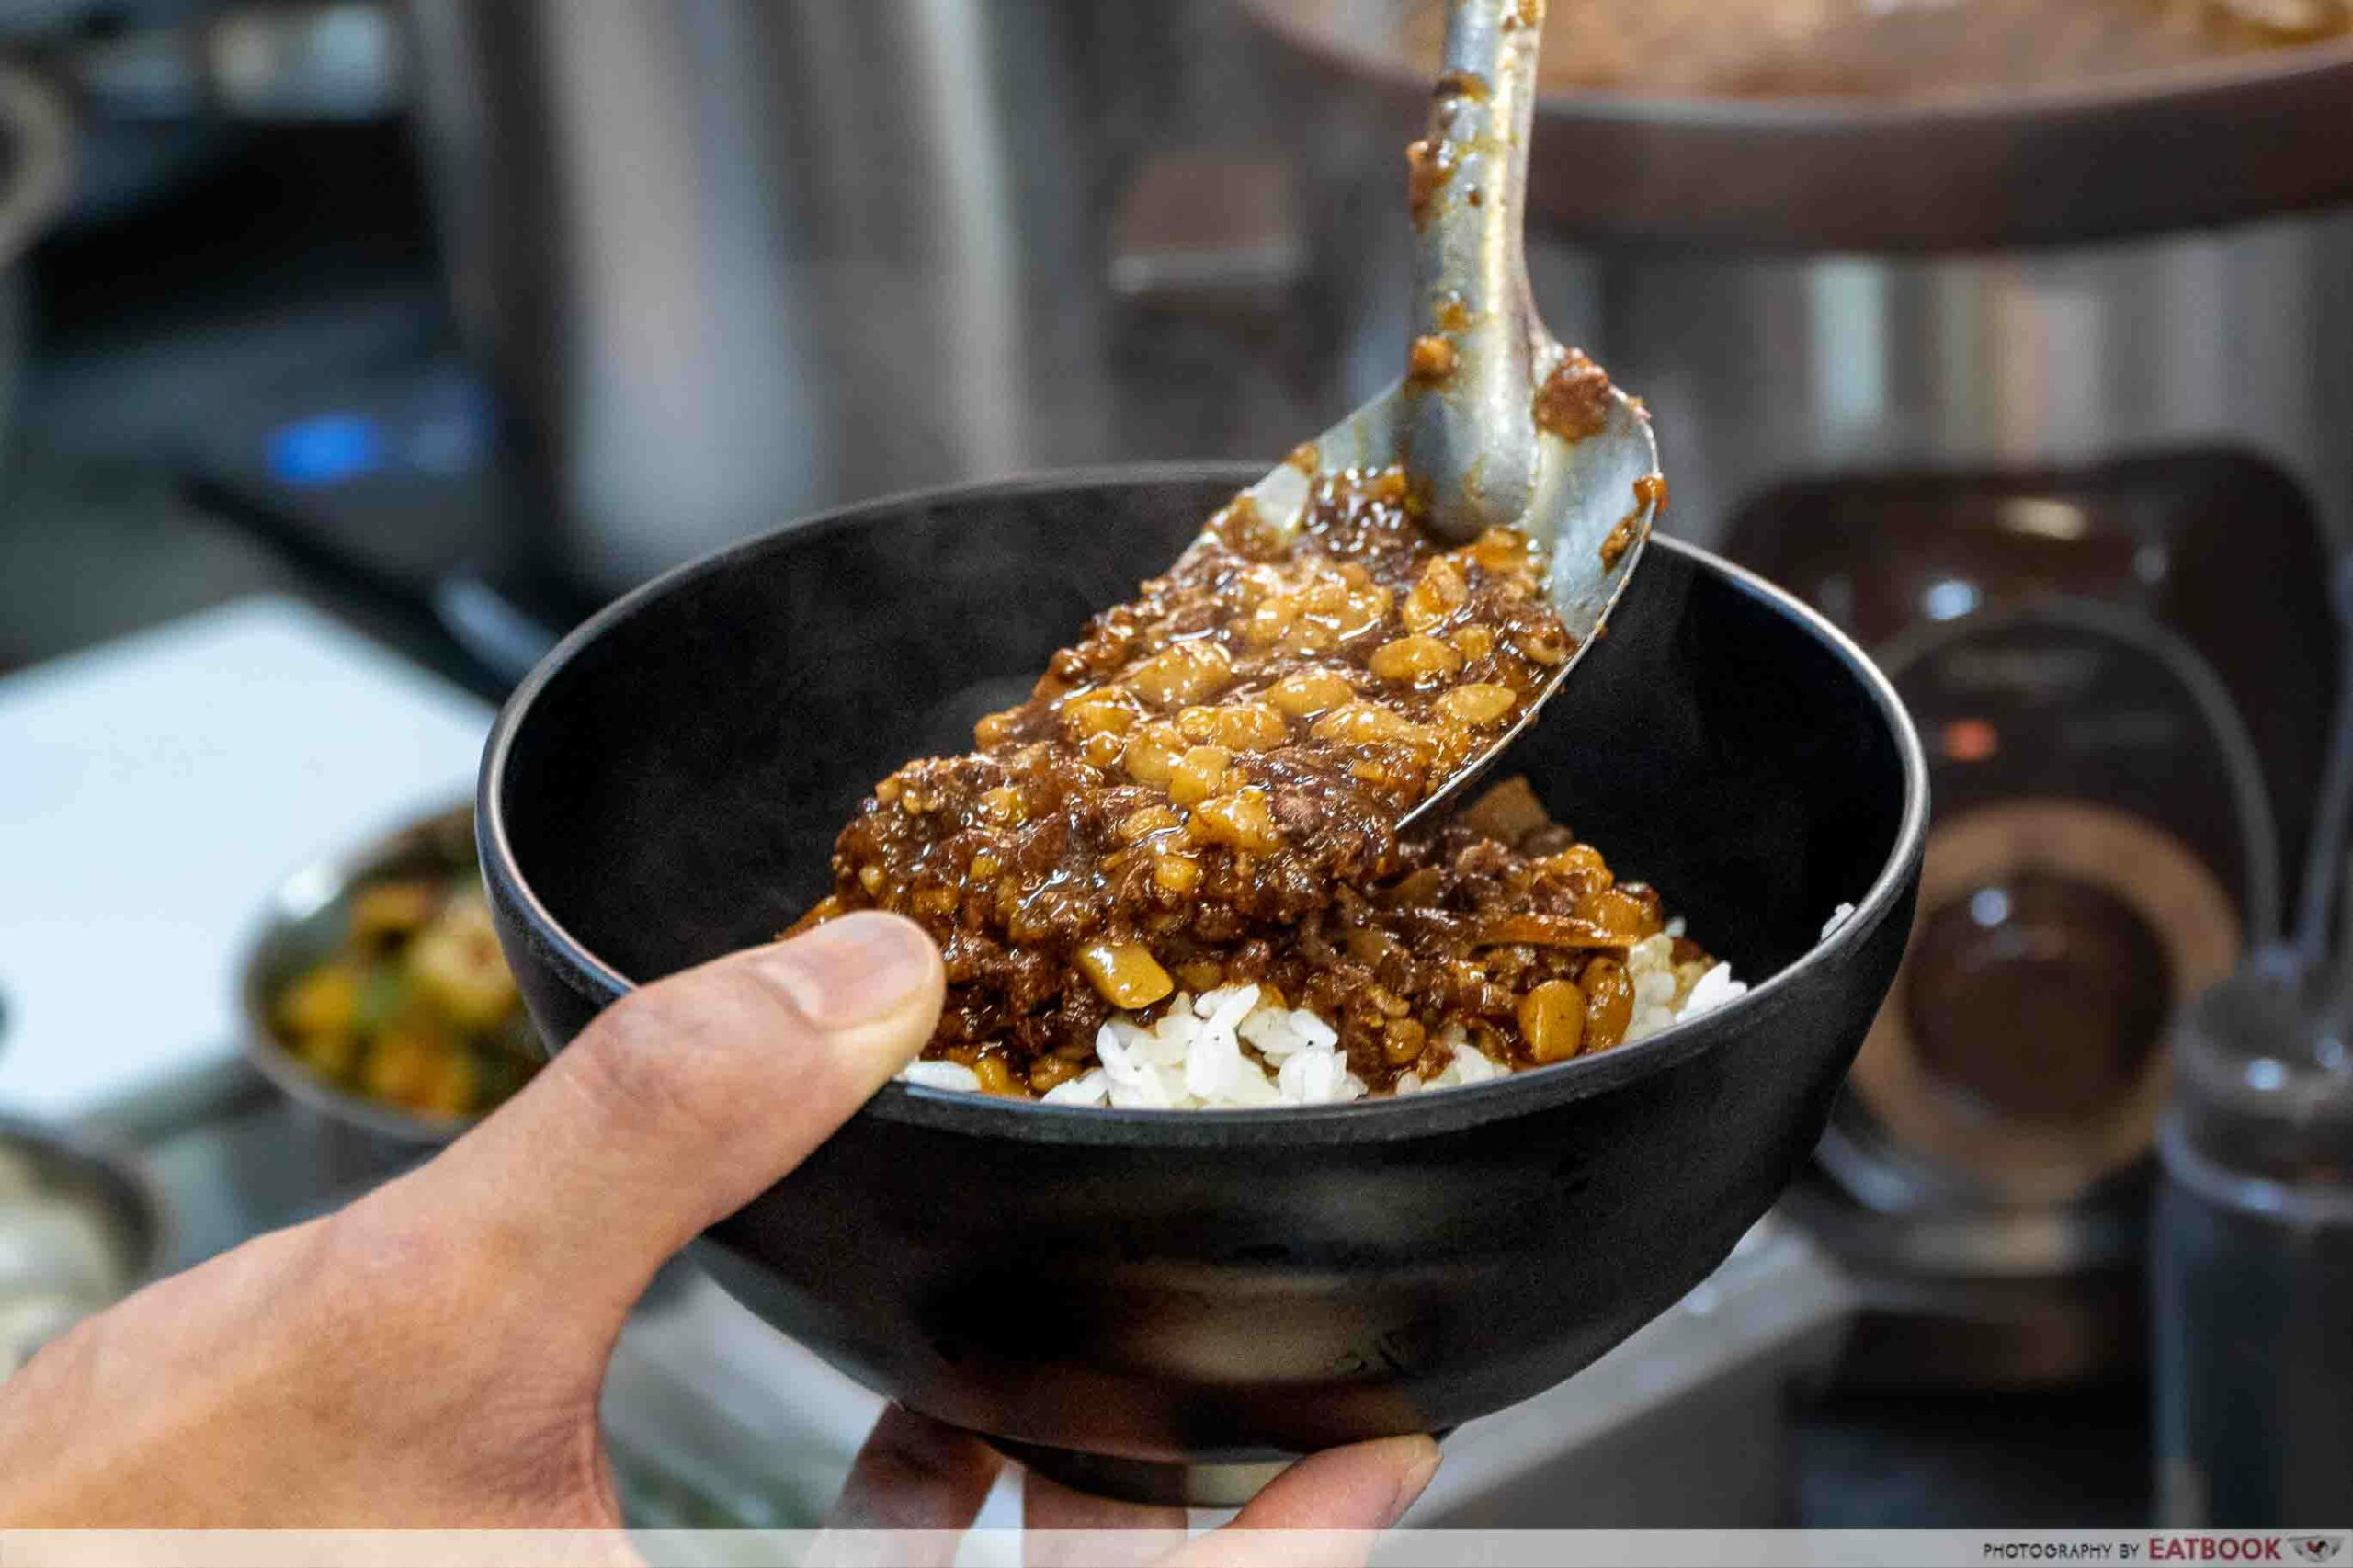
(1370,1120)
(317,884)
(128,1189)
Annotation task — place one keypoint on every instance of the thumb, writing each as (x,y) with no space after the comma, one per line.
(676,1107)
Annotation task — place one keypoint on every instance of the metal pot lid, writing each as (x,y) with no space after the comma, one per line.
(2113,155)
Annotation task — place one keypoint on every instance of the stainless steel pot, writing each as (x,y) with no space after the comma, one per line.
(730,261)
(2237,137)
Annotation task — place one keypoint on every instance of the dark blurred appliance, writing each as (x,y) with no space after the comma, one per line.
(2043,397)
(158,93)
(2081,502)
(104,106)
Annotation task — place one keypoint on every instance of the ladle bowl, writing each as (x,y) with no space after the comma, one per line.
(1162,1304)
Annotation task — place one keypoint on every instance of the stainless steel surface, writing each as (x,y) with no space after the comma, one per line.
(1765,370)
(1687,1425)
(2242,137)
(1955,1244)
(732,262)
(1771,368)
(79,1230)
(1470,434)
(305,922)
(1766,365)
(1956,1298)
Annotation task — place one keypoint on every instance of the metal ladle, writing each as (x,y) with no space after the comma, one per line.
(1496,423)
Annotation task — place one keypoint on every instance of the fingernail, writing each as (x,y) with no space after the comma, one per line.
(1414,1479)
(853,969)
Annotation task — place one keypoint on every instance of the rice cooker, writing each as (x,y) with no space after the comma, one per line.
(2030,390)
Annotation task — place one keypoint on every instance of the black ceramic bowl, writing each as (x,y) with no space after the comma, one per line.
(1150,1302)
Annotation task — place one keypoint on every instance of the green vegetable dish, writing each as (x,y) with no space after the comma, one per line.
(414,1006)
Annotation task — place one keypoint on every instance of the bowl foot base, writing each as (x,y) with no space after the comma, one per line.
(1145,1481)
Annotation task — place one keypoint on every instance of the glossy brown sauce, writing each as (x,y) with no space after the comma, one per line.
(1432,360)
(1206,789)
(1428,166)
(1573,402)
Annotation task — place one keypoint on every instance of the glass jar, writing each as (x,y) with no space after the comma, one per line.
(2253,1257)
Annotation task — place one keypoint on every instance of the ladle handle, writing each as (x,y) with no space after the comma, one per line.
(1474,363)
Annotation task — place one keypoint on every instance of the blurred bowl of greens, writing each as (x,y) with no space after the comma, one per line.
(373,990)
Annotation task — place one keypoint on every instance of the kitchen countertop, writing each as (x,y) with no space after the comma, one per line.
(2070,1458)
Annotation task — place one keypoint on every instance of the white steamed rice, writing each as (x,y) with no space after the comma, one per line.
(1224,1050)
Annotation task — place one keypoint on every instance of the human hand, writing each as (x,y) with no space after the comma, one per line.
(920,1484)
(432,1355)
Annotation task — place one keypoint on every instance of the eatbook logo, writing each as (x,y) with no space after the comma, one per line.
(2317,1548)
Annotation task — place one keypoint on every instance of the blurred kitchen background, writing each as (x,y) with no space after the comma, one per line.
(351,352)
